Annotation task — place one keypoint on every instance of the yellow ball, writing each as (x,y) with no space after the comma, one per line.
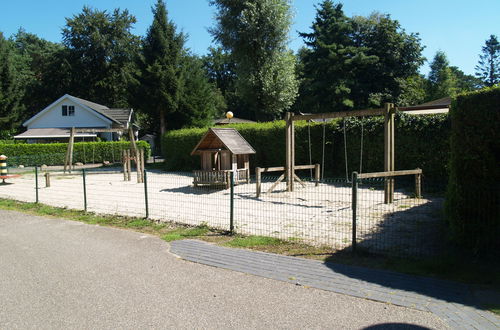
(229,115)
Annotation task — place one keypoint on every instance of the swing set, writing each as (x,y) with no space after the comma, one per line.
(127,155)
(388,111)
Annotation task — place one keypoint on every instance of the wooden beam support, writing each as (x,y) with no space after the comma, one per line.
(387,150)
(70,149)
(282,176)
(100,130)
(417,171)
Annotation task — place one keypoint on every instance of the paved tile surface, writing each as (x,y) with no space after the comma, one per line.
(453,302)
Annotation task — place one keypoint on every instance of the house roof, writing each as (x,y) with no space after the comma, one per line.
(117,116)
(229,138)
(234,120)
(40,133)
(441,105)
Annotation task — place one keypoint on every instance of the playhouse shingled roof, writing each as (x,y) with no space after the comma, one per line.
(230,138)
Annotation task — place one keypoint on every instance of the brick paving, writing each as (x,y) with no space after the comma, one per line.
(453,302)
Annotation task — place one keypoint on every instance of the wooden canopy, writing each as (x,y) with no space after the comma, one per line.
(223,138)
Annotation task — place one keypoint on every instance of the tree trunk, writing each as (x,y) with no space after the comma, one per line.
(163,126)
(163,123)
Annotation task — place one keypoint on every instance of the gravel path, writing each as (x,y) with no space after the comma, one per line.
(58,274)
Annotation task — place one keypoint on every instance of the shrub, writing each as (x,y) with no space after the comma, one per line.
(472,204)
(421,141)
(54,153)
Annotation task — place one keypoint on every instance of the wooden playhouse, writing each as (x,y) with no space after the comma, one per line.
(222,150)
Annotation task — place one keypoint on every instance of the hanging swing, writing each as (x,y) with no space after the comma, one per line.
(360,149)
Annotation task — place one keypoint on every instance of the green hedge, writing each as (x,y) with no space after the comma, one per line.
(53,153)
(421,141)
(472,204)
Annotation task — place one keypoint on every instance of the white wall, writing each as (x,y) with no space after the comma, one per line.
(53,118)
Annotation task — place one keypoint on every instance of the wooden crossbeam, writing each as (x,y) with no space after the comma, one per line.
(340,114)
(389,174)
(100,130)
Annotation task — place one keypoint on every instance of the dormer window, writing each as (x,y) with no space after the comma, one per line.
(68,110)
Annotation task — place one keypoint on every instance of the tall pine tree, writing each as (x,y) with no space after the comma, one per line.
(441,80)
(488,68)
(160,77)
(329,61)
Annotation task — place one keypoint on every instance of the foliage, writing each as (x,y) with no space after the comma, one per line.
(45,73)
(472,199)
(101,49)
(200,101)
(488,67)
(54,153)
(442,82)
(256,34)
(221,71)
(346,64)
(380,79)
(421,141)
(11,91)
(159,81)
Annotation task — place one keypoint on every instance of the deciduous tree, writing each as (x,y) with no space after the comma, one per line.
(101,50)
(255,33)
(11,90)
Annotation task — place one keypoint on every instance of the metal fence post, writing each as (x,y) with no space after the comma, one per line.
(84,176)
(36,184)
(146,193)
(231,205)
(354,208)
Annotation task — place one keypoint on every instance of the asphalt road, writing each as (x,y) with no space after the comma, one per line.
(62,274)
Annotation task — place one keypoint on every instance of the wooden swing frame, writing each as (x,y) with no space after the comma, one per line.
(388,111)
(133,155)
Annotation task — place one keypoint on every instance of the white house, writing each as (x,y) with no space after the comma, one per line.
(55,121)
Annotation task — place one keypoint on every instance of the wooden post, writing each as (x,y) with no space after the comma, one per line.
(129,168)
(317,174)
(258,179)
(392,146)
(124,161)
(388,151)
(292,153)
(288,141)
(132,141)
(418,186)
(68,162)
(47,179)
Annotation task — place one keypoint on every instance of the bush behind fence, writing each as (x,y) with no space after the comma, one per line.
(421,141)
(54,153)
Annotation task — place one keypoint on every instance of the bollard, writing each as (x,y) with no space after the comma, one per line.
(3,165)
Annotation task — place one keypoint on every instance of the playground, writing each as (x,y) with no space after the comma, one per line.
(317,214)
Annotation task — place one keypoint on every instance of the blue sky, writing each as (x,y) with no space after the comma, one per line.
(457,27)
